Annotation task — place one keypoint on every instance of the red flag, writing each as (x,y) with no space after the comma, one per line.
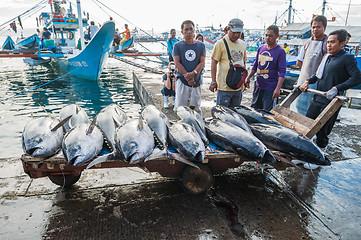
(13,26)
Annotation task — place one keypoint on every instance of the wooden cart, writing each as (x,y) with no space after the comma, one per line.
(193,180)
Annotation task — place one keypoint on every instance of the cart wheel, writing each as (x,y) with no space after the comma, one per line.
(65,180)
(196,181)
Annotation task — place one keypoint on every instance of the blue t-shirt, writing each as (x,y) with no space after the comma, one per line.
(170,45)
(190,56)
(46,35)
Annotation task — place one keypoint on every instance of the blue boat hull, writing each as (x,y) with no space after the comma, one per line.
(89,63)
(29,44)
(8,44)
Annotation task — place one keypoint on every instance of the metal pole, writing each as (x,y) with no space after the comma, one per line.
(323,7)
(348,11)
(80,20)
(290,12)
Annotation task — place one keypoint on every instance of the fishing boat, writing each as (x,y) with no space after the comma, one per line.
(67,46)
(8,44)
(29,44)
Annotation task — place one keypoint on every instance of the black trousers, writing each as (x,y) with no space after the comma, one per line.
(322,135)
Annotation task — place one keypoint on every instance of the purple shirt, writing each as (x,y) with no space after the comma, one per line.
(270,64)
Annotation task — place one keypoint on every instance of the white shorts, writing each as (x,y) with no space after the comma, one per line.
(187,96)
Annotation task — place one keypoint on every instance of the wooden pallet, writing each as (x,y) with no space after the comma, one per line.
(300,123)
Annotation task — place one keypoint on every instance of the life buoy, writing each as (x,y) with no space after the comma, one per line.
(70,35)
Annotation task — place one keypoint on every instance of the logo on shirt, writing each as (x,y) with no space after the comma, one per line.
(190,55)
(264,60)
(237,57)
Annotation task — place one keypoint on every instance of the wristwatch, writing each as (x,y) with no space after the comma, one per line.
(212,83)
(195,72)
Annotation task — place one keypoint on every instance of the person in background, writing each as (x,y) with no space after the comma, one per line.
(92,30)
(270,65)
(227,96)
(357,48)
(46,34)
(337,72)
(189,57)
(309,59)
(168,89)
(39,33)
(117,38)
(347,48)
(126,36)
(199,37)
(170,44)
(286,48)
(225,31)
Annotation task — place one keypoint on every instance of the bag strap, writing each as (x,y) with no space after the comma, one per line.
(228,53)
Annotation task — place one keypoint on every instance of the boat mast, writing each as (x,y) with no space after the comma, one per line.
(323,7)
(290,12)
(80,20)
(348,11)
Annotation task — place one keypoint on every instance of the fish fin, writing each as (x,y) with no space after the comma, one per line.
(101,159)
(62,122)
(268,158)
(178,157)
(140,123)
(91,126)
(117,124)
(77,109)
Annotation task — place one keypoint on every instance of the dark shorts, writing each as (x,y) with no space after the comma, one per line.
(262,99)
(229,98)
(322,135)
(167,92)
(170,57)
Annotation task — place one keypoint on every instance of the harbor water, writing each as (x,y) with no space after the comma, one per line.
(20,84)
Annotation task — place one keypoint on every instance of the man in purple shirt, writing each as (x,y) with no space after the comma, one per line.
(270,65)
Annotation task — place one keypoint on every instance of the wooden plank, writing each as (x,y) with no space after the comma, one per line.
(293,120)
(324,116)
(290,98)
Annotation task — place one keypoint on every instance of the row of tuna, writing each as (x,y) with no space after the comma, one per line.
(242,130)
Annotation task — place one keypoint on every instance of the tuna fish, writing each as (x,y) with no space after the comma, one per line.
(82,143)
(187,141)
(194,119)
(158,122)
(78,114)
(109,119)
(227,115)
(256,116)
(286,140)
(42,137)
(239,141)
(135,141)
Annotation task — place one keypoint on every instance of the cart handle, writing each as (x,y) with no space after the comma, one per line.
(323,94)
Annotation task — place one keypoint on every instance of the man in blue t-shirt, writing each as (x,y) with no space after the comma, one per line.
(189,57)
(170,44)
(46,34)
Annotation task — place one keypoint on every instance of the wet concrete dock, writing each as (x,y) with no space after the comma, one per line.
(243,203)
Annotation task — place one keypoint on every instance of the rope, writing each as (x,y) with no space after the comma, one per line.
(34,9)
(130,22)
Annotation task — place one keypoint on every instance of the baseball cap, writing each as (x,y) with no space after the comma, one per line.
(236,25)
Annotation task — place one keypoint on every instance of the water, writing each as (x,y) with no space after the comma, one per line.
(114,86)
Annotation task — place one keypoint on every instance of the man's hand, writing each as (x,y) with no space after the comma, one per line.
(213,87)
(330,94)
(304,86)
(247,82)
(191,82)
(276,93)
(189,76)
